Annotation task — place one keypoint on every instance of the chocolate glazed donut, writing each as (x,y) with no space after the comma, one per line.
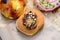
(30,22)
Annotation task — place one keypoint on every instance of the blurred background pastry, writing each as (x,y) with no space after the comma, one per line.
(47,5)
(12,9)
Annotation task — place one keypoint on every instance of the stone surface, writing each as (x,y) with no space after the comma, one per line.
(50,30)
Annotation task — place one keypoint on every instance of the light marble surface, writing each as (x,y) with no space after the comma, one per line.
(50,30)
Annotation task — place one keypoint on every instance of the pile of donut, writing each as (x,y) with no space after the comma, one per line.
(31,20)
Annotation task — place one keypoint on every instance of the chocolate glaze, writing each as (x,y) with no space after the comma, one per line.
(29,20)
(4,1)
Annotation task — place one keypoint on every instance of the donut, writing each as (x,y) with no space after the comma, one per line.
(47,5)
(12,9)
(30,22)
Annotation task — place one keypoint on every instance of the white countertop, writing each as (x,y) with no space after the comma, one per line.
(50,30)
